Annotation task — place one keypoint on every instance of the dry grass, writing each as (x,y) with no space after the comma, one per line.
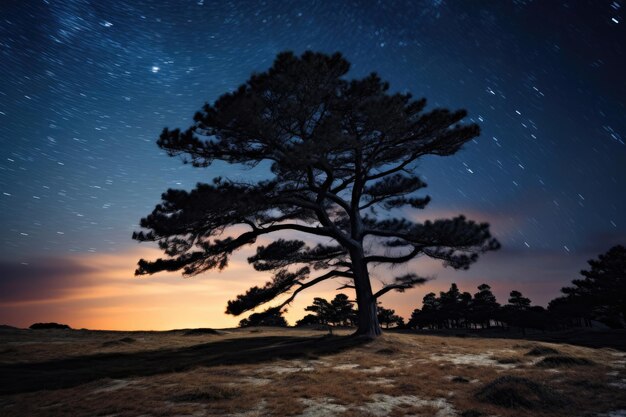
(292,372)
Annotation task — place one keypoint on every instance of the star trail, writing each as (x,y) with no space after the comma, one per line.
(86,87)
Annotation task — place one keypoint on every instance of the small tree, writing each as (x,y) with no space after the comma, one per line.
(516,312)
(336,150)
(322,309)
(454,306)
(484,306)
(389,317)
(342,310)
(416,321)
(339,311)
(308,320)
(430,314)
(271,317)
(518,302)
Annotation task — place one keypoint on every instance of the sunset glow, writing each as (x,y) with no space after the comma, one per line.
(99,291)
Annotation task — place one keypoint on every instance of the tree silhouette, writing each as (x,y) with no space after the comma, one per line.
(572,310)
(339,311)
(453,306)
(456,309)
(343,312)
(322,309)
(602,291)
(518,302)
(337,151)
(388,317)
(429,315)
(484,306)
(516,312)
(308,320)
(270,317)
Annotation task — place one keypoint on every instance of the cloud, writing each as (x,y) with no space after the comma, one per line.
(42,279)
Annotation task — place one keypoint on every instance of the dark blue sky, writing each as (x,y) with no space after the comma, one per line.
(87,86)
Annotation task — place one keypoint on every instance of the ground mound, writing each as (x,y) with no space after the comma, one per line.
(517,392)
(201,331)
(120,342)
(562,360)
(51,325)
(542,351)
(387,351)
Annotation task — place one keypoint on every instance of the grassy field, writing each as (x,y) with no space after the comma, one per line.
(292,372)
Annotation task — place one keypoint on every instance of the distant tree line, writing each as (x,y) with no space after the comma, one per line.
(599,296)
(454,309)
(340,311)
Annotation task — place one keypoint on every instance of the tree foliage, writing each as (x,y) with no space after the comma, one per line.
(322,310)
(601,293)
(456,309)
(388,317)
(518,302)
(338,312)
(484,306)
(271,317)
(338,151)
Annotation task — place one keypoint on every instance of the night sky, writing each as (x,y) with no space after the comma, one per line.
(87,86)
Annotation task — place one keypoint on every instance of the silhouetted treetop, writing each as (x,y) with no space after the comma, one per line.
(338,150)
(302,112)
(270,317)
(518,301)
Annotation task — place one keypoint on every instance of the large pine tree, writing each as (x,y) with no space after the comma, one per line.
(342,155)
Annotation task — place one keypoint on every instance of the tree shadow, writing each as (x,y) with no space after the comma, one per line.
(66,373)
(591,338)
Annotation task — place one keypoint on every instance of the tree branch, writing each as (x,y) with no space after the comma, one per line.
(313,282)
(401,283)
(394,259)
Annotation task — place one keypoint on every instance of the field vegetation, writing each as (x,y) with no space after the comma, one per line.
(262,371)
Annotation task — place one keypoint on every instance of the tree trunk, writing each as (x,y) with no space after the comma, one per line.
(368,319)
(367,313)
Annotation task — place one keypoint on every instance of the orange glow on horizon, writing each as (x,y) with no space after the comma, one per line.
(109,297)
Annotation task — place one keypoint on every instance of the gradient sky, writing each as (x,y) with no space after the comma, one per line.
(87,86)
